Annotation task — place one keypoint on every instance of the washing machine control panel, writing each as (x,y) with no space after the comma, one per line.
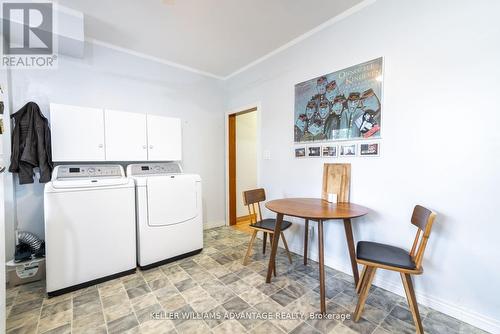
(84,171)
(154,169)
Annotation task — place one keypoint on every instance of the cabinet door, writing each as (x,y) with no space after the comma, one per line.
(164,138)
(77,133)
(125,134)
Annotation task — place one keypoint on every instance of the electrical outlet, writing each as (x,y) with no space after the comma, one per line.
(267,155)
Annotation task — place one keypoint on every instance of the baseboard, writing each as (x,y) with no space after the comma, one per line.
(244,219)
(213,224)
(471,317)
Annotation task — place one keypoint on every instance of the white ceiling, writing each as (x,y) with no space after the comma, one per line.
(213,36)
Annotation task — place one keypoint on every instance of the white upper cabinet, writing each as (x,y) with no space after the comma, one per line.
(77,133)
(126,137)
(164,138)
(90,134)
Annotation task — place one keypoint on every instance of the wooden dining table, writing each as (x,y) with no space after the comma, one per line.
(319,210)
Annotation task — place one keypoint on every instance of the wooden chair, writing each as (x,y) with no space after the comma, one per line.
(336,180)
(250,199)
(373,255)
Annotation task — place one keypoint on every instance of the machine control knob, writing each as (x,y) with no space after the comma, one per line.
(91,170)
(156,168)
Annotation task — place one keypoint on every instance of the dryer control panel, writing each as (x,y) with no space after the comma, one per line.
(87,171)
(154,169)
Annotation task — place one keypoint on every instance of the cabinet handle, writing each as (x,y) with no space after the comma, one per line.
(144,146)
(151,146)
(101,145)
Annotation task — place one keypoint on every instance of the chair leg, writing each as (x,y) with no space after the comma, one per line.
(360,283)
(412,302)
(249,250)
(365,289)
(286,247)
(264,241)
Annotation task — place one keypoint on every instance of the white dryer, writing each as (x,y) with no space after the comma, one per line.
(169,213)
(90,232)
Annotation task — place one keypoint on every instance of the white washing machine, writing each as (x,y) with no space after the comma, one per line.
(169,213)
(90,232)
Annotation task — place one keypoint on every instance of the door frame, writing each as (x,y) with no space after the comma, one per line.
(236,111)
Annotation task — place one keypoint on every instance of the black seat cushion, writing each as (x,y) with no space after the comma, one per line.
(268,224)
(384,254)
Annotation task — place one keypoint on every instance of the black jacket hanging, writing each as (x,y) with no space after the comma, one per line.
(31,144)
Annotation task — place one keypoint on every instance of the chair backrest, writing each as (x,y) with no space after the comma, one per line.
(336,180)
(252,197)
(423,219)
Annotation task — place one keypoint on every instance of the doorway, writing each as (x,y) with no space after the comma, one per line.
(242,163)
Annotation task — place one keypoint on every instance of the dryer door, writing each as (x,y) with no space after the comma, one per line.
(171,199)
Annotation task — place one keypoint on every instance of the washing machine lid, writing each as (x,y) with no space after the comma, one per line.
(172,199)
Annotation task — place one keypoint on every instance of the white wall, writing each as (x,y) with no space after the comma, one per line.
(2,256)
(246,157)
(2,217)
(116,80)
(8,198)
(439,149)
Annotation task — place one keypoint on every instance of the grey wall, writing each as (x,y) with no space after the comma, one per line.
(112,79)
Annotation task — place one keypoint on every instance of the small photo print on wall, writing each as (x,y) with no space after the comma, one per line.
(314,151)
(369,150)
(329,151)
(300,152)
(348,150)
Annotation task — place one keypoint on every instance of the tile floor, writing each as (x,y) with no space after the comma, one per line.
(216,281)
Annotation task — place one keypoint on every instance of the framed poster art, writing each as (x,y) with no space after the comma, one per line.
(300,152)
(348,150)
(329,151)
(369,150)
(313,151)
(343,105)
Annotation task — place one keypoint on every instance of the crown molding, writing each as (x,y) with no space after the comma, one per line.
(152,58)
(304,36)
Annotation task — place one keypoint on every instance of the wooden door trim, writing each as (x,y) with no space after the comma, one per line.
(231,196)
(232,167)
